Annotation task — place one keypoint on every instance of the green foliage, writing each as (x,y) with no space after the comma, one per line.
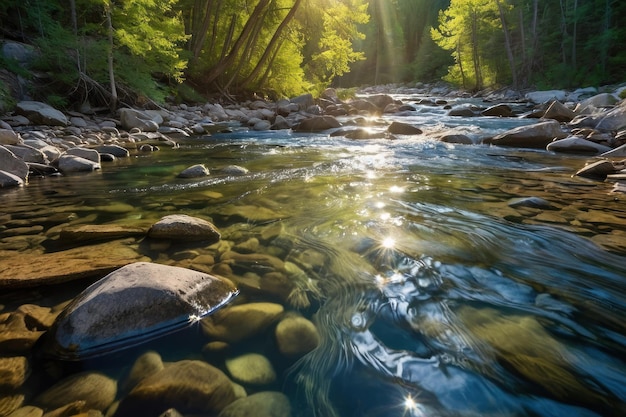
(7,102)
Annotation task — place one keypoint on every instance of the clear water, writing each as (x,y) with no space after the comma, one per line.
(435,297)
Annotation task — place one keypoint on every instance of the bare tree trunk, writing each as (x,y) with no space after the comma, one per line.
(229,59)
(270,46)
(475,53)
(113,103)
(574,30)
(507,44)
(458,55)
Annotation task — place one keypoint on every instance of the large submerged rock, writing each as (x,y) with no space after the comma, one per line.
(136,303)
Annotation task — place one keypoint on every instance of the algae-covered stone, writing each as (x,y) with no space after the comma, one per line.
(96,389)
(261,404)
(296,336)
(183,227)
(240,322)
(189,386)
(251,368)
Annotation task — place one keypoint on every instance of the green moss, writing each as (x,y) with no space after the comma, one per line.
(7,101)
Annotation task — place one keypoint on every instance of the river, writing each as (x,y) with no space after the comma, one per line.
(442,292)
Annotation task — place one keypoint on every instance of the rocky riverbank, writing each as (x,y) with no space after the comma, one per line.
(38,140)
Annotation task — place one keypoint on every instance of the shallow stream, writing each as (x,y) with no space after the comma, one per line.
(438,292)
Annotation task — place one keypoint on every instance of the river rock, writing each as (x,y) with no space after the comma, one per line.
(136,119)
(41,113)
(618,152)
(194,171)
(189,386)
(590,104)
(10,402)
(399,128)
(240,322)
(13,372)
(576,144)
(89,154)
(72,163)
(9,137)
(498,110)
(559,112)
(261,404)
(295,336)
(8,180)
(99,232)
(456,138)
(97,390)
(28,153)
(184,227)
(614,120)
(251,368)
(11,164)
(136,303)
(27,411)
(541,97)
(233,170)
(317,124)
(598,169)
(15,336)
(146,365)
(538,135)
(115,150)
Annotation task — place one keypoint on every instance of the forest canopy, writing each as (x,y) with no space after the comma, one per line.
(110,50)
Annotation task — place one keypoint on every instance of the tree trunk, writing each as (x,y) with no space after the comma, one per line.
(507,44)
(113,103)
(230,58)
(270,46)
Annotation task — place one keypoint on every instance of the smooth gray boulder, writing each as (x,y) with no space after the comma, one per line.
(41,114)
(131,118)
(89,154)
(533,136)
(9,137)
(10,163)
(73,163)
(576,144)
(8,180)
(136,303)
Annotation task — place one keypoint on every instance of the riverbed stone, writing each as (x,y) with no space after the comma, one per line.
(399,128)
(251,368)
(545,96)
(240,322)
(27,153)
(233,170)
(189,386)
(100,232)
(194,171)
(27,411)
(72,163)
(296,335)
(137,119)
(136,303)
(8,180)
(559,112)
(10,402)
(13,372)
(41,113)
(13,165)
(97,390)
(598,169)
(260,404)
(146,365)
(538,135)
(89,154)
(576,144)
(456,138)
(15,336)
(498,110)
(9,137)
(115,150)
(27,270)
(186,228)
(615,119)
(317,124)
